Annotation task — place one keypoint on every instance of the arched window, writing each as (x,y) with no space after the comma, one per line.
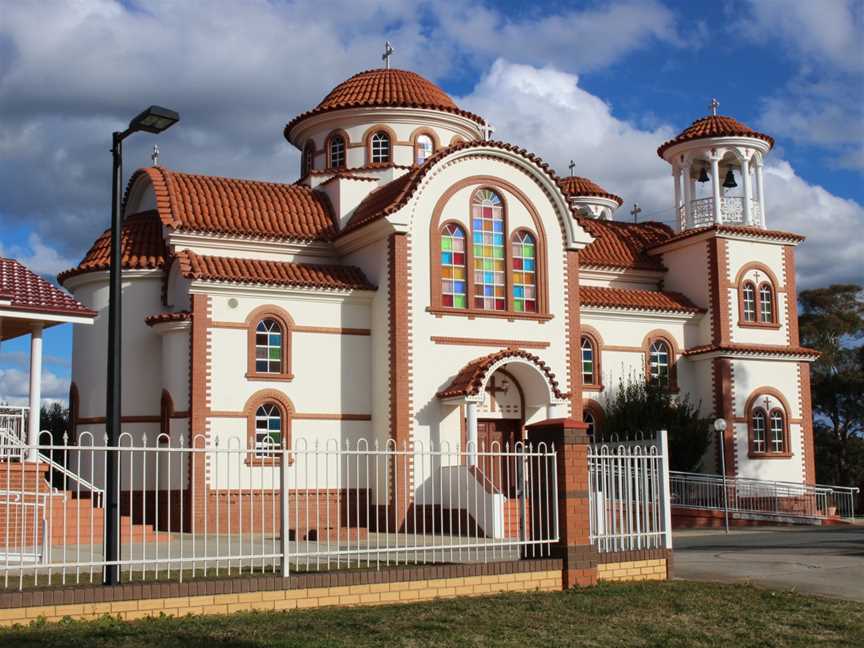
(589,367)
(454,285)
(336,152)
(308,162)
(524,252)
(777,422)
(748,302)
(424,147)
(766,303)
(588,418)
(269,351)
(379,147)
(268,431)
(757,431)
(659,366)
(487,225)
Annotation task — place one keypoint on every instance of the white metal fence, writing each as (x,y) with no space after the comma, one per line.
(629,495)
(13,431)
(762,497)
(225,509)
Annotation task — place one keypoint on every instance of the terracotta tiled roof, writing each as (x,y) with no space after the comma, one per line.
(623,245)
(29,292)
(753,349)
(391,197)
(743,230)
(271,273)
(388,88)
(470,379)
(714,126)
(578,186)
(180,316)
(141,247)
(632,299)
(199,203)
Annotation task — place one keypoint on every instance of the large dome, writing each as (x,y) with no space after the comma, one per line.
(385,88)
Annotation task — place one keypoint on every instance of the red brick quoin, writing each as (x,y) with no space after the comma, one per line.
(574,548)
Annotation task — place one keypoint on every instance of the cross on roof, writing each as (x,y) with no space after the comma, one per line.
(492,389)
(488,129)
(635,211)
(572,166)
(154,156)
(714,106)
(388,52)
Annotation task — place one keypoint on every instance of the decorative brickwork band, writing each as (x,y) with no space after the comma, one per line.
(571,443)
(400,413)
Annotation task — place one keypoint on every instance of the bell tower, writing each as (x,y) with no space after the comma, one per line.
(717,169)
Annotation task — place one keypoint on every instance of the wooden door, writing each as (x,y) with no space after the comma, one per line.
(497,435)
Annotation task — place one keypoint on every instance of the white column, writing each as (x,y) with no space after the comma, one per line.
(759,187)
(715,187)
(471,413)
(676,173)
(689,195)
(35,391)
(748,192)
(553,411)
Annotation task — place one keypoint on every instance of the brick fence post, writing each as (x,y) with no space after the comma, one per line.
(574,548)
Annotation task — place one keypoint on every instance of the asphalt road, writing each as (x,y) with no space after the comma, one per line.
(828,561)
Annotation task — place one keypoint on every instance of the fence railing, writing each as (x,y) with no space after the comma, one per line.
(222,507)
(13,431)
(629,495)
(761,496)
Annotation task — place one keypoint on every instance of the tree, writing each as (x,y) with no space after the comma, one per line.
(832,322)
(54,418)
(641,409)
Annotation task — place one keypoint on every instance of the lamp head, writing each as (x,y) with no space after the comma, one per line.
(720,425)
(154,120)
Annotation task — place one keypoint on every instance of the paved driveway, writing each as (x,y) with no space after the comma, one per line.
(828,561)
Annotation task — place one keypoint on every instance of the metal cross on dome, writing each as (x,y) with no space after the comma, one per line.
(154,156)
(714,106)
(571,167)
(488,130)
(635,211)
(388,52)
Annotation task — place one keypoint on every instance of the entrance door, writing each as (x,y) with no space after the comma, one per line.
(503,433)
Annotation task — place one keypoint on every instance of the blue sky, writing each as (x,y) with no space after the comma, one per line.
(603,83)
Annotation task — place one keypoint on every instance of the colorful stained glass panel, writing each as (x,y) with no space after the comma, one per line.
(524,250)
(487,238)
(454,285)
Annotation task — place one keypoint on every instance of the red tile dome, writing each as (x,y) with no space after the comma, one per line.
(388,88)
(577,186)
(714,126)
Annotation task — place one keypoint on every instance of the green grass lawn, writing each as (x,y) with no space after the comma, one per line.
(658,614)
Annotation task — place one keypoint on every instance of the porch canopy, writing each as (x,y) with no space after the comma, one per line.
(536,380)
(29,305)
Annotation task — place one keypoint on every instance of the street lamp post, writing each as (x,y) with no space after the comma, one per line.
(720,428)
(154,119)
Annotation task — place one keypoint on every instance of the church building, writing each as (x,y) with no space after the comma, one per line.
(424,284)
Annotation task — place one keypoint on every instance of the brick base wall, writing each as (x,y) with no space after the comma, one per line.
(394,585)
(633,570)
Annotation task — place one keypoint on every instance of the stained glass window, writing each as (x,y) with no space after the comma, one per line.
(524,273)
(268,346)
(423,148)
(587,361)
(749,299)
(487,224)
(454,285)
(778,431)
(759,430)
(268,430)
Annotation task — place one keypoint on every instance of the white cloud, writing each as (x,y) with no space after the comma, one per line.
(546,111)
(38,256)
(15,387)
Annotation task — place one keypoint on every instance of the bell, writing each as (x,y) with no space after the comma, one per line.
(729,182)
(703,175)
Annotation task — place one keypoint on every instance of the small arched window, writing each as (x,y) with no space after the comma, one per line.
(777,422)
(269,347)
(589,367)
(748,301)
(424,147)
(659,366)
(757,430)
(380,147)
(588,418)
(268,431)
(308,161)
(454,284)
(336,152)
(524,252)
(490,263)
(766,303)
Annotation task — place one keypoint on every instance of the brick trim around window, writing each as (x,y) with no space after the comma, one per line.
(594,336)
(285,321)
(286,411)
(787,417)
(771,279)
(674,353)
